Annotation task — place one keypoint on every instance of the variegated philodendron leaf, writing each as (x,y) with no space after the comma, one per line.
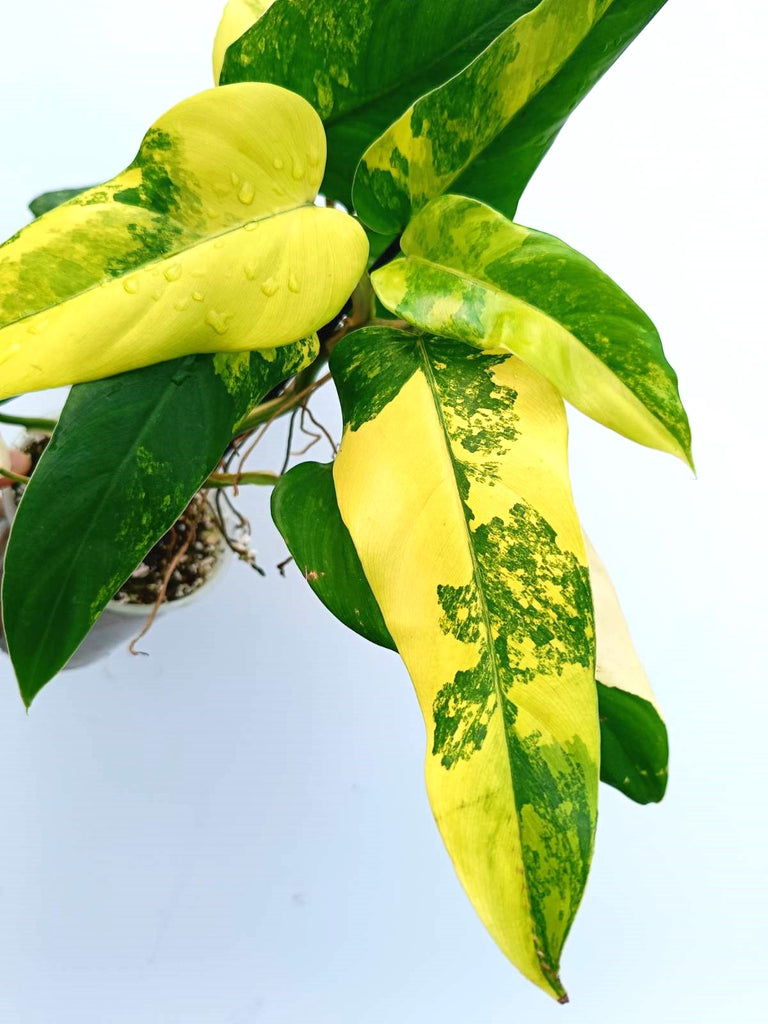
(452,480)
(471,274)
(360,63)
(635,748)
(485,130)
(237,18)
(209,242)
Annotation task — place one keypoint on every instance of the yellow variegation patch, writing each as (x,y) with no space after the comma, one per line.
(474,553)
(237,18)
(210,241)
(617,663)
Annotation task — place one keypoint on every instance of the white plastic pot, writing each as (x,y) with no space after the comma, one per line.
(120,622)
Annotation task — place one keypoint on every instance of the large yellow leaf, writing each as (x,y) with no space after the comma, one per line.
(210,241)
(238,16)
(452,480)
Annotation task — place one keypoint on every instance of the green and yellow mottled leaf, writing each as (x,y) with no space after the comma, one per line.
(127,455)
(209,242)
(634,744)
(471,274)
(305,512)
(360,63)
(452,480)
(237,18)
(485,130)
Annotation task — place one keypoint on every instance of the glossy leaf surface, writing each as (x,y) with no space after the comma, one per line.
(484,131)
(471,274)
(126,457)
(452,481)
(635,748)
(306,513)
(237,18)
(360,63)
(209,242)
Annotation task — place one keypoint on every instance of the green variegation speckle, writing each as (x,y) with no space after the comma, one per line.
(233,368)
(478,414)
(557,821)
(529,612)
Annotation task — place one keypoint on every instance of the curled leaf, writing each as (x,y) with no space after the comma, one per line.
(209,242)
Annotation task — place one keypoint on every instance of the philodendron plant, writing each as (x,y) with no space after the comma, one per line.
(346,194)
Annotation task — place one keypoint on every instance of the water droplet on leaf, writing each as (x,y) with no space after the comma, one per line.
(218,321)
(246,193)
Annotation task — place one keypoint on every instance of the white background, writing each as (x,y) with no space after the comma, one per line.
(234,829)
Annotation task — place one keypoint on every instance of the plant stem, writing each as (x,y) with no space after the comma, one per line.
(265,479)
(303,384)
(17,478)
(30,422)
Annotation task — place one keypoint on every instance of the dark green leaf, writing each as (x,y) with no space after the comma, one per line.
(305,512)
(634,750)
(126,457)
